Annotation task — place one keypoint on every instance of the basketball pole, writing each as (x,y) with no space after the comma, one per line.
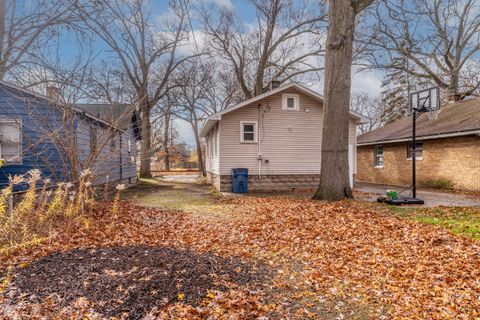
(414,154)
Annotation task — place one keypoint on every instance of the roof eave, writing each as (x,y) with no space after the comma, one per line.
(209,124)
(427,137)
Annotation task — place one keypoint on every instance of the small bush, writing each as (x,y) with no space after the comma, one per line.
(440,183)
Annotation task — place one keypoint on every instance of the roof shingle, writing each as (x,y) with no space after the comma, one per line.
(460,117)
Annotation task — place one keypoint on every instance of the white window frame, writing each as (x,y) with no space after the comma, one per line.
(296,101)
(20,141)
(408,151)
(376,156)
(255,131)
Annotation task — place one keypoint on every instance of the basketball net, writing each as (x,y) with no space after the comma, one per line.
(433,115)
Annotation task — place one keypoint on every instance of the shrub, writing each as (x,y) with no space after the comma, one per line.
(440,183)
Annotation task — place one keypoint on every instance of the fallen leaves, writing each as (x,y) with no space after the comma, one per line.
(329,259)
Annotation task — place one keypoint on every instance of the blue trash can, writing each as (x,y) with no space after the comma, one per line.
(240,180)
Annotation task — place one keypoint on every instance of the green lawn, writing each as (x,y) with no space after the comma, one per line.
(463,221)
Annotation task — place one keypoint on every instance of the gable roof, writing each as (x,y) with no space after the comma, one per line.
(457,119)
(119,114)
(49,100)
(213,119)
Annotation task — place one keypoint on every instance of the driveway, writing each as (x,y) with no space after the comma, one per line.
(431,198)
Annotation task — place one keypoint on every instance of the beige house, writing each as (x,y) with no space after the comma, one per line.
(277,136)
(447,151)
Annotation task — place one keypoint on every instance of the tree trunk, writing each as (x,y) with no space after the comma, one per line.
(334,178)
(166,135)
(145,145)
(198,145)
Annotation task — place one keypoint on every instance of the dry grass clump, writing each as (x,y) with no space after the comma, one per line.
(33,213)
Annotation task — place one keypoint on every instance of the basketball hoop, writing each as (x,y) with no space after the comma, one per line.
(425,100)
(433,115)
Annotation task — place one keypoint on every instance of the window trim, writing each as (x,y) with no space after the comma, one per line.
(255,131)
(20,141)
(376,156)
(296,101)
(408,151)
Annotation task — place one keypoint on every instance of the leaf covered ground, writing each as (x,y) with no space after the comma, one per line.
(273,257)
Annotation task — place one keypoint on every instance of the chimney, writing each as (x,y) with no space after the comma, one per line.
(53,93)
(274,84)
(452,98)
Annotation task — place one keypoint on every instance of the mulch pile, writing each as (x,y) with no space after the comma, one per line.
(130,281)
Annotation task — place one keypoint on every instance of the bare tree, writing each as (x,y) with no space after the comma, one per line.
(197,96)
(281,45)
(364,104)
(147,51)
(439,38)
(334,180)
(24,27)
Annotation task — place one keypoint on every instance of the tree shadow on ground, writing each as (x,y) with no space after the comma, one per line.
(132,280)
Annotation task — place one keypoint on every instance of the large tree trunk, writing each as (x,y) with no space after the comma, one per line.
(198,145)
(145,145)
(166,137)
(334,178)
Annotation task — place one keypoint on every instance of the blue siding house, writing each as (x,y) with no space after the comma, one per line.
(38,131)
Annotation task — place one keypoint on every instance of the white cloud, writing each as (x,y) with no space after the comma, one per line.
(185,133)
(223,3)
(366,82)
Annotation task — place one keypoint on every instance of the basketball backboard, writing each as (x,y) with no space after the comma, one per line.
(425,100)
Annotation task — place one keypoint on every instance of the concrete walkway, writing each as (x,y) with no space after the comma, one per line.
(431,198)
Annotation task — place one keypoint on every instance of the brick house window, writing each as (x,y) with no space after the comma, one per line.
(378,161)
(418,151)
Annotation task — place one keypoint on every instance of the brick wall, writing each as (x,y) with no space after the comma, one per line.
(456,159)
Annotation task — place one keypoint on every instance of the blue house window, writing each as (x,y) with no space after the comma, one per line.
(11,141)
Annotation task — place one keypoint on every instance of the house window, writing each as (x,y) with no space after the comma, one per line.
(418,151)
(378,156)
(10,141)
(248,132)
(290,102)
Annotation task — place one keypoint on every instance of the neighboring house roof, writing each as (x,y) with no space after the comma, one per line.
(456,119)
(53,102)
(214,118)
(118,114)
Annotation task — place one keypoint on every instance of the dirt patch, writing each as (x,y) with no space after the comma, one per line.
(130,281)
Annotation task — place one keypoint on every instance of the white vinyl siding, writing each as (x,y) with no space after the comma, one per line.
(212,150)
(11,141)
(290,141)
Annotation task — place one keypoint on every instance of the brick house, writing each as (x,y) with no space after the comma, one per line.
(277,136)
(448,149)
